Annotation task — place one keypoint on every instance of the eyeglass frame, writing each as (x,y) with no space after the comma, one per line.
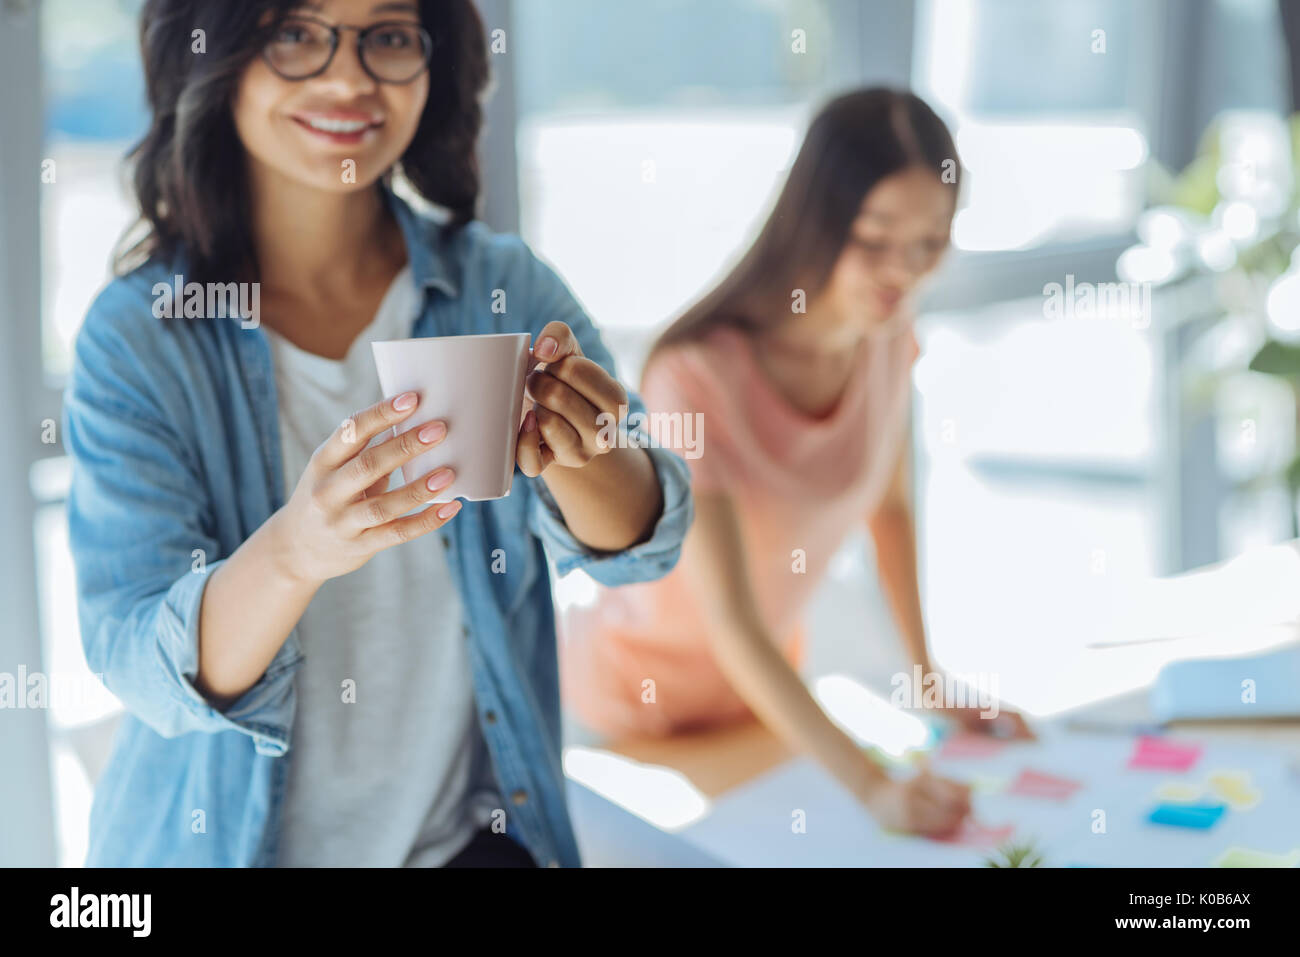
(335,30)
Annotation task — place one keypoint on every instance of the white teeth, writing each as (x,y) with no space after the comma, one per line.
(337,126)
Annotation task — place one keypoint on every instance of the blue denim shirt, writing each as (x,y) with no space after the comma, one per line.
(173,431)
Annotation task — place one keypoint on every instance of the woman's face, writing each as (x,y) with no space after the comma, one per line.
(341,130)
(899,236)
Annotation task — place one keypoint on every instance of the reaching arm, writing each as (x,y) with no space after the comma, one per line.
(893,531)
(747,654)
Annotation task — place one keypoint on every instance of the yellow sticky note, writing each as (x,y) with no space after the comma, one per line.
(987,784)
(1179,791)
(1245,857)
(1235,788)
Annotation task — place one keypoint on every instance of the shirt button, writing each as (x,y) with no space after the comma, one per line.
(490,717)
(446,543)
(464,630)
(519,797)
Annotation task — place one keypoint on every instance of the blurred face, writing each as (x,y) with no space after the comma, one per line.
(342,128)
(899,236)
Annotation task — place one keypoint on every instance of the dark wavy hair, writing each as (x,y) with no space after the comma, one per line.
(188,171)
(855,141)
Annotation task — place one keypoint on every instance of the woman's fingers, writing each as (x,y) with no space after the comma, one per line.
(589,379)
(377,488)
(950,794)
(355,432)
(554,396)
(561,438)
(554,342)
(940,804)
(533,457)
(378,510)
(374,462)
(1012,724)
(1007,724)
(409,527)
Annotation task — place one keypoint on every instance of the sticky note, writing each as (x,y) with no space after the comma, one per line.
(1049,787)
(973,834)
(1179,791)
(987,784)
(968,745)
(1162,754)
(1187,815)
(1235,788)
(1245,857)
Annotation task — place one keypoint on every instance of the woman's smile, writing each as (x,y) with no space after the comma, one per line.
(888,299)
(341,127)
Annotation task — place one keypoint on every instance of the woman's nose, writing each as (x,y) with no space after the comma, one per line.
(346,70)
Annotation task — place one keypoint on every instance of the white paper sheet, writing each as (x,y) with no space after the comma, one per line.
(609,836)
(752,826)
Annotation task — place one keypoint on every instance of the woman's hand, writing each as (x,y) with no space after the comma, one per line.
(984,716)
(577,405)
(341,514)
(1007,724)
(922,804)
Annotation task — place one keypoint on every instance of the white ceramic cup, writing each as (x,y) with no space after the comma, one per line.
(476,385)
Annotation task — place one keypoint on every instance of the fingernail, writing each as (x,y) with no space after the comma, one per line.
(530,421)
(405,401)
(448,510)
(440,479)
(546,348)
(432,432)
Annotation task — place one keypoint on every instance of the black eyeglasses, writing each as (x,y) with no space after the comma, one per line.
(394,51)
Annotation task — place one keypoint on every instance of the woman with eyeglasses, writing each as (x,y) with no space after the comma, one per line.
(797,368)
(318,669)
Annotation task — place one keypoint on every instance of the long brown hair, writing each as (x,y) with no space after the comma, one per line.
(855,141)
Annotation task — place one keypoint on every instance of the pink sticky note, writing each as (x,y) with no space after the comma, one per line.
(1036,784)
(1162,754)
(973,834)
(970,746)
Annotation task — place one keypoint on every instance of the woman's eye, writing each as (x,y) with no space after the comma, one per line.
(291,34)
(396,39)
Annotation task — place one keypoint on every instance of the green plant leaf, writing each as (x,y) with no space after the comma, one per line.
(1277,358)
(1293,475)
(1016,854)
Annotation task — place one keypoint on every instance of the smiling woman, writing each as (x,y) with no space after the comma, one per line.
(358,118)
(217,112)
(318,665)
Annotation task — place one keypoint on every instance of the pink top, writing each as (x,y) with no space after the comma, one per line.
(797,482)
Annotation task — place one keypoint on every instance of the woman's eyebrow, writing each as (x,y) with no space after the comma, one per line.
(395,8)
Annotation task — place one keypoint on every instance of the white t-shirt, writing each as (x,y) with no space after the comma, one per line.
(387,765)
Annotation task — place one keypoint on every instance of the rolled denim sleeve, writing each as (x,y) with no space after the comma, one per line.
(138,528)
(549,300)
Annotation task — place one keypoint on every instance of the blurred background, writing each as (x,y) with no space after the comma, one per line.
(637,147)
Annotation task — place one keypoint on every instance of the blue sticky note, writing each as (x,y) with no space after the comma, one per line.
(1187,815)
